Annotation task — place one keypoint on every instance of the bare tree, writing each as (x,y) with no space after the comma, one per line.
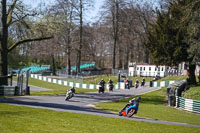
(7,18)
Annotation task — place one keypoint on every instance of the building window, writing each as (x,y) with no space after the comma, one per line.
(144,68)
(137,68)
(162,68)
(155,69)
(140,68)
(149,68)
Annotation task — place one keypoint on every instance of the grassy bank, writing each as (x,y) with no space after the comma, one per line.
(192,93)
(172,78)
(19,119)
(97,79)
(55,88)
(153,105)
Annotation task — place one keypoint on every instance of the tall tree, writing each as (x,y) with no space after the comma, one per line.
(65,16)
(115,24)
(7,20)
(173,39)
(81,37)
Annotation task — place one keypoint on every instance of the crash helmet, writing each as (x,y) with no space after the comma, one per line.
(138,98)
(132,100)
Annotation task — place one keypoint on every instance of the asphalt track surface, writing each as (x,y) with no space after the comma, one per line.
(84,103)
(32,88)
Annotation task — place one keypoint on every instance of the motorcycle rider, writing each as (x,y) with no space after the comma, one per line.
(136,83)
(143,82)
(101,88)
(70,93)
(110,82)
(127,84)
(73,90)
(134,101)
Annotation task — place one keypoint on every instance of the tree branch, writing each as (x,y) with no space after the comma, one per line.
(10,11)
(27,40)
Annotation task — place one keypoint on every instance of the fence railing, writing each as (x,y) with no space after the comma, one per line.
(74,84)
(188,104)
(163,83)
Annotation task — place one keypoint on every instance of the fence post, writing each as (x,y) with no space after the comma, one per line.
(177,101)
(27,91)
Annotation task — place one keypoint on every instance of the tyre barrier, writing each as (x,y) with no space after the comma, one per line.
(188,104)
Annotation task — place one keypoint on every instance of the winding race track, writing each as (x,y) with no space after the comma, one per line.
(84,103)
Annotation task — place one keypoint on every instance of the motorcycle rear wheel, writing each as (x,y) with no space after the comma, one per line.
(120,113)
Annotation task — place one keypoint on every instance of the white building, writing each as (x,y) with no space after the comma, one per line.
(146,70)
(182,68)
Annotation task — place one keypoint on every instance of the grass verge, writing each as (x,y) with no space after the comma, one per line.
(153,105)
(19,119)
(172,78)
(97,79)
(55,88)
(192,93)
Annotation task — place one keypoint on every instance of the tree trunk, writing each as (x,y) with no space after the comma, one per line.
(127,58)
(69,60)
(138,53)
(192,77)
(120,58)
(115,29)
(80,43)
(146,56)
(3,48)
(53,65)
(69,43)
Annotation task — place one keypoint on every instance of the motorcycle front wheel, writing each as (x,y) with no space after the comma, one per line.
(131,112)
(67,98)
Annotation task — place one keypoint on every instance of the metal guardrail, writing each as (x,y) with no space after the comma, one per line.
(188,104)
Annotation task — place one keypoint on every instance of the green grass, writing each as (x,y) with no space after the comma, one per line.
(153,105)
(55,88)
(192,93)
(171,78)
(97,79)
(19,119)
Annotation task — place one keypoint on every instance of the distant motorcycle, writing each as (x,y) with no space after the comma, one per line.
(127,84)
(131,108)
(111,87)
(136,84)
(70,93)
(143,82)
(101,88)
